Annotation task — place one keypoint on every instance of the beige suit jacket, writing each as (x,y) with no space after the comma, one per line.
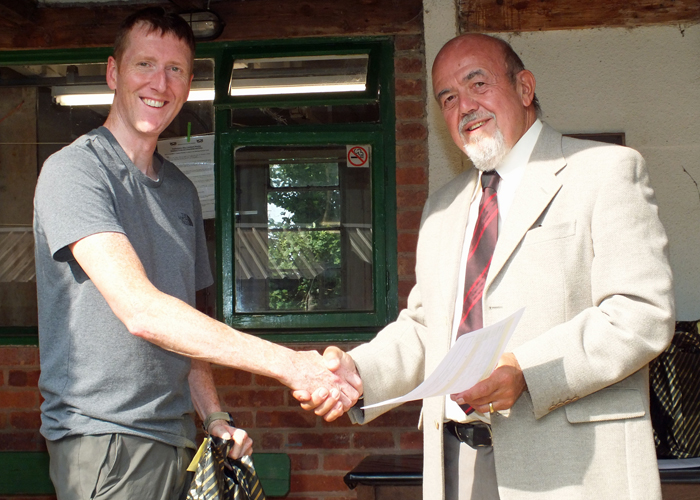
(584,252)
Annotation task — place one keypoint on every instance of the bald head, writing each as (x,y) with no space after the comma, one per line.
(511,60)
(467,42)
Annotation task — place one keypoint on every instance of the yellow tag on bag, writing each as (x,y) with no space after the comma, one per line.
(198,455)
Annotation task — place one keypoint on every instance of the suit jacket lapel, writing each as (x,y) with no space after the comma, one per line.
(536,190)
(453,229)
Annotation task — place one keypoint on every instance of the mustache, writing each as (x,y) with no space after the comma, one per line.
(476,115)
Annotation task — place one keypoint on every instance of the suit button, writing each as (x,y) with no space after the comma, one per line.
(437,425)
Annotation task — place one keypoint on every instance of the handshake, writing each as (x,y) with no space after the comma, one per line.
(328,385)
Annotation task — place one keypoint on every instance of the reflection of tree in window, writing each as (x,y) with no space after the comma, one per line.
(303,204)
(303,233)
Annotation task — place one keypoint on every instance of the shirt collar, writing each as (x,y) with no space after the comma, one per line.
(517,158)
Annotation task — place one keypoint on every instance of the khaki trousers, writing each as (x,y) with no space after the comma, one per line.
(469,474)
(118,467)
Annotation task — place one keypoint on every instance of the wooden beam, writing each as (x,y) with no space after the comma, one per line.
(95,26)
(67,27)
(18,12)
(478,16)
(188,5)
(271,19)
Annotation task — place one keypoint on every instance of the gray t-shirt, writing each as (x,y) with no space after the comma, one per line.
(96,377)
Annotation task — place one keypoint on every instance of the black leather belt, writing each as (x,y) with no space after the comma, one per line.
(475,434)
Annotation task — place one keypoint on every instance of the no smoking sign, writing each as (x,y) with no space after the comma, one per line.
(358,156)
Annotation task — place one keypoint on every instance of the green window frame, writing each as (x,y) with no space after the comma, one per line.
(324,326)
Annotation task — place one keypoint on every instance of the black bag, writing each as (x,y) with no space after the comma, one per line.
(218,477)
(675,395)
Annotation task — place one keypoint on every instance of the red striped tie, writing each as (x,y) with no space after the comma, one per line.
(479,259)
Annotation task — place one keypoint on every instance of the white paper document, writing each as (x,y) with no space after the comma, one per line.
(471,359)
(195,158)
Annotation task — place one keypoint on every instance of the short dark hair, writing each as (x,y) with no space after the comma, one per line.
(514,65)
(157,20)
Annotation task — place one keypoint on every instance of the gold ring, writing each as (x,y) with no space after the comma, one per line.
(491,410)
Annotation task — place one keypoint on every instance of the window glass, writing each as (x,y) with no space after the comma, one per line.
(299,75)
(303,230)
(18,174)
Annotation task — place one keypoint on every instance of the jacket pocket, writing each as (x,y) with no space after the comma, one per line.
(554,232)
(606,404)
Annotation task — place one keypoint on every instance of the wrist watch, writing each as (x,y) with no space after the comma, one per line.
(217,415)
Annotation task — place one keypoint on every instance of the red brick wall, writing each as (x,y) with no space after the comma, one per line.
(19,399)
(321,453)
(411,153)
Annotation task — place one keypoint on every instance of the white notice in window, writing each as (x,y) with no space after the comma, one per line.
(196,160)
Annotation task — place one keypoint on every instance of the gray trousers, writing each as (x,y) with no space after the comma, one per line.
(469,474)
(118,467)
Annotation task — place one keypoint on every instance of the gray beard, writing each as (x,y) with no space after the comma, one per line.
(486,153)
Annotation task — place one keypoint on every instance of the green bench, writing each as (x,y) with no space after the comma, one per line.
(27,473)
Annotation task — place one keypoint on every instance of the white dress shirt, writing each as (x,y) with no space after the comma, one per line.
(511,171)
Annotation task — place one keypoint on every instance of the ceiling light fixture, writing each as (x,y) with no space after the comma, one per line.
(205,24)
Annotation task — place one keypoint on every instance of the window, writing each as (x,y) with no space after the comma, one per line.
(305,74)
(306,190)
(303,239)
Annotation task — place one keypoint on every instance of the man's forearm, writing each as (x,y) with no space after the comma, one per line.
(114,268)
(204,396)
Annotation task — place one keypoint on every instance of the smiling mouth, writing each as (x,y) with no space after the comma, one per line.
(476,126)
(153,103)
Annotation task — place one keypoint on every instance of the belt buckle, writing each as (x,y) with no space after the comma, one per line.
(476,435)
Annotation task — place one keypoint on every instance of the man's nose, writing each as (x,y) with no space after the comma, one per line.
(467,103)
(159,80)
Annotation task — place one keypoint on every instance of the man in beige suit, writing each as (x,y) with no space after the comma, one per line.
(581,248)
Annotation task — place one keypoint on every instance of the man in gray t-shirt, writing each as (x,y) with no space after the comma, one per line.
(120,253)
(93,187)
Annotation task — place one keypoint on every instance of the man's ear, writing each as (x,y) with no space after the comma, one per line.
(526,87)
(111,75)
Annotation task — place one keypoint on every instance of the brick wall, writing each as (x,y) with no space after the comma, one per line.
(19,399)
(321,453)
(411,153)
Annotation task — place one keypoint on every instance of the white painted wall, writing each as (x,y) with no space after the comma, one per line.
(439,27)
(644,82)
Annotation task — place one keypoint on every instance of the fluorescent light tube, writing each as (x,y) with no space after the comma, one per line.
(302,89)
(94,95)
(83,99)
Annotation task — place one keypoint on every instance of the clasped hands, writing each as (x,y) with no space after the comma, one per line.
(340,389)
(501,389)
